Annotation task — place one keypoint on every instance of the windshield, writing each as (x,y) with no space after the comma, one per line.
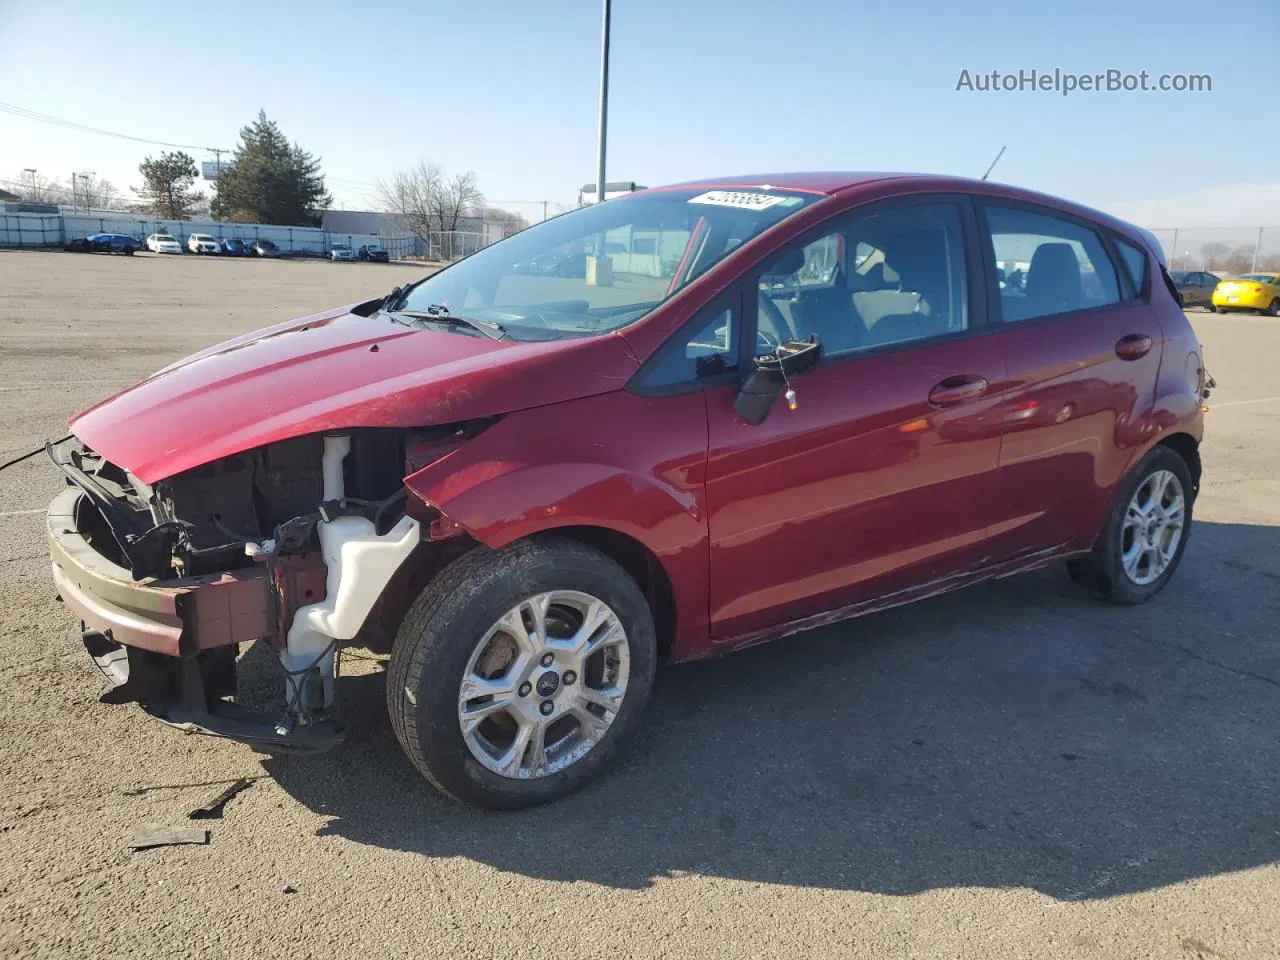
(601,267)
(164,236)
(341,246)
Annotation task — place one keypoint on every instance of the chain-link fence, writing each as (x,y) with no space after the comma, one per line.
(1228,250)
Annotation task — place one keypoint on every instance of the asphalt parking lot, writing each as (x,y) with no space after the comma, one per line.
(1011,771)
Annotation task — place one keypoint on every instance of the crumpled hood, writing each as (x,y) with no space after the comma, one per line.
(332,371)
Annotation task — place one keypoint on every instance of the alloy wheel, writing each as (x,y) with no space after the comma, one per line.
(1154,524)
(544,684)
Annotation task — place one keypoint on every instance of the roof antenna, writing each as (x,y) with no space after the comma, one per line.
(993,163)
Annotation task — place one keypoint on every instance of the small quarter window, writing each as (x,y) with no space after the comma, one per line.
(704,350)
(1135,262)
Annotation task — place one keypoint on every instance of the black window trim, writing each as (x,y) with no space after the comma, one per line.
(996,314)
(976,300)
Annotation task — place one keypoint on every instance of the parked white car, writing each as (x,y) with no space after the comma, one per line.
(203,243)
(163,243)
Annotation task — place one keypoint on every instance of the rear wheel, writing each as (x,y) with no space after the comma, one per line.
(1274,309)
(517,672)
(1146,532)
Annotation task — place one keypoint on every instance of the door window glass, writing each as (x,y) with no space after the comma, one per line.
(888,277)
(1050,265)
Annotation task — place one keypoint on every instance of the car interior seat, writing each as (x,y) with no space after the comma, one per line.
(1054,281)
(829,312)
(919,257)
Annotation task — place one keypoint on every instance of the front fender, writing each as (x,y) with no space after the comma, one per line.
(620,462)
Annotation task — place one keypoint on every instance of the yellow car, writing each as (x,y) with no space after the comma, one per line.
(1251,291)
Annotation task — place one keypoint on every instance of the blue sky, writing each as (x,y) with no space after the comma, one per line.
(508,89)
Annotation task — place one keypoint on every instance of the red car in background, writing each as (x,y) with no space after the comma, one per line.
(767,403)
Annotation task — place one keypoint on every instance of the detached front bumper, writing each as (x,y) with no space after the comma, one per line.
(170,645)
(176,618)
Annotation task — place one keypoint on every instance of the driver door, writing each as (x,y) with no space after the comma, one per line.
(882,477)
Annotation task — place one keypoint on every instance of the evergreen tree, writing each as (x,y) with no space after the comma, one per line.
(271,180)
(168,185)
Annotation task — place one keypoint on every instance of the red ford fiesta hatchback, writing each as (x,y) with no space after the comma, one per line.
(655,429)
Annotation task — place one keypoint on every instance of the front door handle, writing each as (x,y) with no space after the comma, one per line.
(1133,347)
(957,389)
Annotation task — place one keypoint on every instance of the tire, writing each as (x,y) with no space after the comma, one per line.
(128,251)
(1211,308)
(1103,570)
(442,636)
(1274,309)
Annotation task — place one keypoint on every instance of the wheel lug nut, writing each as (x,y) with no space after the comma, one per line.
(569,677)
(525,688)
(547,659)
(545,708)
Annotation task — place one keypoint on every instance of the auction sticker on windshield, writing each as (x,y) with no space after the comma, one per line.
(742,200)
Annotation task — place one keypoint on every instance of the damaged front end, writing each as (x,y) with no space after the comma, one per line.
(291,544)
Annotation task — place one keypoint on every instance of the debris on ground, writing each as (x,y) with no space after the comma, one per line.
(213,809)
(146,835)
(287,889)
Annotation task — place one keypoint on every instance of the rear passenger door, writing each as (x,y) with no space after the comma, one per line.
(1083,350)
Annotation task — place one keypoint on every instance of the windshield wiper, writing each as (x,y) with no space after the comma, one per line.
(439,313)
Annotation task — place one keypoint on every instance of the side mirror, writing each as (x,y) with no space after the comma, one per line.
(771,374)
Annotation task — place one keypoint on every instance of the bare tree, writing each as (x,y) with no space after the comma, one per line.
(511,222)
(34,187)
(1215,255)
(411,196)
(1240,260)
(425,201)
(94,192)
(459,197)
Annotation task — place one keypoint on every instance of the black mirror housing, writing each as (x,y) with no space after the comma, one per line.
(771,374)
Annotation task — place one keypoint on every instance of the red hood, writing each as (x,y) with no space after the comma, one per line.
(331,371)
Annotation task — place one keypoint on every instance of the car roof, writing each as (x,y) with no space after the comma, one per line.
(832,182)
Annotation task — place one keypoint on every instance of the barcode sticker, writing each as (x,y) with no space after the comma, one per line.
(740,199)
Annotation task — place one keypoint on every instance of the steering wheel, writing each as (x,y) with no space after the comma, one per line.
(778,320)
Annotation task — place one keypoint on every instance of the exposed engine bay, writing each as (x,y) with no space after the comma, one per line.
(292,543)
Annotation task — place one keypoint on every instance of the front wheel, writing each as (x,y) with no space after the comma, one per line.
(517,672)
(1274,309)
(1146,532)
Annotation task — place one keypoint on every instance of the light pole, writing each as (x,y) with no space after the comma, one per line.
(31,175)
(604,103)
